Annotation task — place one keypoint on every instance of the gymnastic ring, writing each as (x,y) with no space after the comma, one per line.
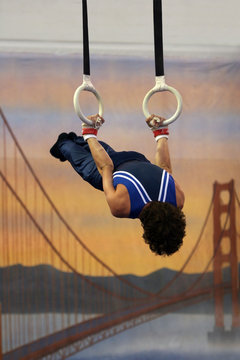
(162,86)
(86,86)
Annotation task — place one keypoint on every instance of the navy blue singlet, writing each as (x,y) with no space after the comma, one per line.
(145,182)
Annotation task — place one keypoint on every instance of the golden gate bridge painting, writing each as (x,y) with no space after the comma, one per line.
(51,309)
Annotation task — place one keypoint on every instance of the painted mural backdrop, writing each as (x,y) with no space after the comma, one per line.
(36,97)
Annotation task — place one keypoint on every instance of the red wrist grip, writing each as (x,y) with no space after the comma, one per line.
(88,131)
(161,132)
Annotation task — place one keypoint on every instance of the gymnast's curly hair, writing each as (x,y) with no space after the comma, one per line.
(164,227)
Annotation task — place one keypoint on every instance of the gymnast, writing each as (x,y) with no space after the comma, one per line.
(133,186)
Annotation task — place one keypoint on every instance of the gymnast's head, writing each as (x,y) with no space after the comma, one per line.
(164,227)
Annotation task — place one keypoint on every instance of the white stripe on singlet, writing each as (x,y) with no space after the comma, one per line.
(140,188)
(166,187)
(163,186)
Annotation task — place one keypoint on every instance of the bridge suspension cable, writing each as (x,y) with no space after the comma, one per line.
(147,293)
(93,255)
(53,247)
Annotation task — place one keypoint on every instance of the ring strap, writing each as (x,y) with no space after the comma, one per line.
(158,37)
(86,60)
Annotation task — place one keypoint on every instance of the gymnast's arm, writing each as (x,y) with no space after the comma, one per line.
(117,199)
(163,160)
(162,157)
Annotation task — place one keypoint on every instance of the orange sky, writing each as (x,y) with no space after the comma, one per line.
(118,242)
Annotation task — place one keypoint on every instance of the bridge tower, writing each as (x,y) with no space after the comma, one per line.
(224,220)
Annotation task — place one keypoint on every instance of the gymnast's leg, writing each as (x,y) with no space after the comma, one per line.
(80,140)
(79,156)
(76,150)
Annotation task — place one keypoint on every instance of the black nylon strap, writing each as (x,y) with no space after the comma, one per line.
(86,60)
(158,37)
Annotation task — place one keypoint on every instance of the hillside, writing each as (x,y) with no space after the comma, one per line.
(45,289)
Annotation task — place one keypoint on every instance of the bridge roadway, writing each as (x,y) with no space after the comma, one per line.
(61,339)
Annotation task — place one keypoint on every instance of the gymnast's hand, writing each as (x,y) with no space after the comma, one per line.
(97,121)
(92,130)
(154,121)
